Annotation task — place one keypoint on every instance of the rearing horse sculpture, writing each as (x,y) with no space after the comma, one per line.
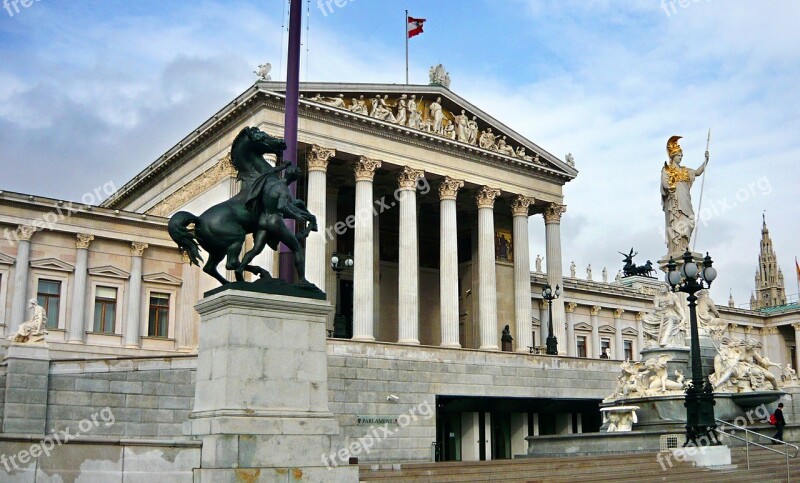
(259,208)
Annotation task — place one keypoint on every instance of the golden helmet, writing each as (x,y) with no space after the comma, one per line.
(673,147)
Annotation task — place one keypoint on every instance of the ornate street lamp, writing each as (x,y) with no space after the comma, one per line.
(699,396)
(339,265)
(550,295)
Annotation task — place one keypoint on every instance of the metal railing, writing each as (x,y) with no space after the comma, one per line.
(747,443)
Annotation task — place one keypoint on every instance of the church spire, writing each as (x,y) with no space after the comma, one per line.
(770,291)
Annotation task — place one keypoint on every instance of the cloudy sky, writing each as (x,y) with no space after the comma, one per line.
(93,91)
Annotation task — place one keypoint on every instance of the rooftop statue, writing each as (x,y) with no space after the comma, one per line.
(260,208)
(263,71)
(676,198)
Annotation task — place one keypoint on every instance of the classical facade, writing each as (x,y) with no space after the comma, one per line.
(430,195)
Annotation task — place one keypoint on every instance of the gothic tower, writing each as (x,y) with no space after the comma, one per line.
(770,291)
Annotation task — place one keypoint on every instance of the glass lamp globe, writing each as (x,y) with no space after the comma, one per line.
(558,291)
(334,260)
(709,274)
(674,277)
(547,292)
(349,262)
(690,270)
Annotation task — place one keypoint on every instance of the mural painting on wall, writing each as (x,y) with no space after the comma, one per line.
(503,248)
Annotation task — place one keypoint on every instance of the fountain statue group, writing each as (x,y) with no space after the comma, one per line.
(739,367)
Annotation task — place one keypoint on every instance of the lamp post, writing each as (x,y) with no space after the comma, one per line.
(550,295)
(339,265)
(699,396)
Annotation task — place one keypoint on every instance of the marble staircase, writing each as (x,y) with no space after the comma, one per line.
(765,467)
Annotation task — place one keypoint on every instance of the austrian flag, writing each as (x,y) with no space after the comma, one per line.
(415,26)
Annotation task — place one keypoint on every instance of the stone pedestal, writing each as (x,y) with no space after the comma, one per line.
(27,371)
(261,400)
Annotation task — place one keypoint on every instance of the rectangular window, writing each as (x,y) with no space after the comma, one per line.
(628,346)
(105,309)
(581,346)
(48,295)
(605,348)
(159,315)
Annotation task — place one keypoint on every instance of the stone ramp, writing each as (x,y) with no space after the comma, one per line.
(765,467)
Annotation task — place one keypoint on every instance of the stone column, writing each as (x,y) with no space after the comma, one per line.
(552,223)
(487,278)
(571,342)
(408,268)
(448,264)
(543,318)
(593,313)
(796,345)
(639,335)
(316,263)
(133,325)
(21,273)
(522,273)
(619,346)
(185,337)
(363,258)
(77,325)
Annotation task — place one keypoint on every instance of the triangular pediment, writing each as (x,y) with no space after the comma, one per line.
(6,260)
(582,326)
(162,277)
(630,331)
(52,264)
(606,329)
(109,271)
(357,102)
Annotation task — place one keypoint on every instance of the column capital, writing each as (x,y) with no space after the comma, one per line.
(408,177)
(543,304)
(318,157)
(83,240)
(570,307)
(618,313)
(486,196)
(640,316)
(595,309)
(25,232)
(520,204)
(553,212)
(796,326)
(365,168)
(137,248)
(448,189)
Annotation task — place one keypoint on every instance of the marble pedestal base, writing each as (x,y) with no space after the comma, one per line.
(261,399)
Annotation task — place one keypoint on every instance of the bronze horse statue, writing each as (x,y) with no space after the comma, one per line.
(260,208)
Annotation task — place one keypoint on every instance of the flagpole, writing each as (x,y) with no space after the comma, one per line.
(405,29)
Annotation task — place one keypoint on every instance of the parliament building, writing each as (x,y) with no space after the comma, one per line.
(431,197)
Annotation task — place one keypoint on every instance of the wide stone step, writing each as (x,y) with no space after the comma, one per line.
(765,467)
